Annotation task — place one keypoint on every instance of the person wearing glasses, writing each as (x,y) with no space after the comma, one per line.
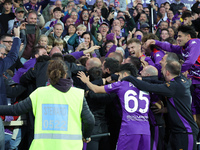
(7,41)
(5,63)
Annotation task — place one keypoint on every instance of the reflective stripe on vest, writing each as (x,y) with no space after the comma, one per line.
(58,136)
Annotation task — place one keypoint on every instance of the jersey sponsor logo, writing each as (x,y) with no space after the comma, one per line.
(55,117)
(136,118)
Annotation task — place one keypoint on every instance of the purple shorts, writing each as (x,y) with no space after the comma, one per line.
(196,101)
(134,142)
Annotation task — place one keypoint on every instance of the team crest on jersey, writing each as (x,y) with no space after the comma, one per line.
(131,85)
(110,86)
(194,42)
(157,55)
(185,54)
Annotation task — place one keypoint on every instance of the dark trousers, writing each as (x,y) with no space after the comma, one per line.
(182,141)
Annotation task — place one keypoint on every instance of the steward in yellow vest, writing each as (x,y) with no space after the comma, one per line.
(59,111)
(57,118)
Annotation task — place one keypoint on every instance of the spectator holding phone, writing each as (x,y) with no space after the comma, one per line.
(30,35)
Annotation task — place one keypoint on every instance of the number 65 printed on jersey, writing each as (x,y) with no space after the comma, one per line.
(131,95)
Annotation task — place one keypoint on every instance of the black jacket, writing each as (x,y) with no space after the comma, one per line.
(178,105)
(38,74)
(97,103)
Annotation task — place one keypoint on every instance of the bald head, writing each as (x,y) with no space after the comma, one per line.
(54,50)
(117,56)
(149,71)
(93,62)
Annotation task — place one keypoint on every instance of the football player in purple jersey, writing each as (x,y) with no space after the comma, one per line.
(135,107)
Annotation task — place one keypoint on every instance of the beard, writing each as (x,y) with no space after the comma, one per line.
(142,22)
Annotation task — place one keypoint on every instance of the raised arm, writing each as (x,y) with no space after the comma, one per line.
(164,46)
(162,89)
(13,54)
(17,109)
(93,87)
(193,56)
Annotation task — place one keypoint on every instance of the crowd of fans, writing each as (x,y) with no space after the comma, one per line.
(98,37)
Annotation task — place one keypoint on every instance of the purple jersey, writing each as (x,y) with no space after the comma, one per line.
(191,55)
(135,107)
(156,56)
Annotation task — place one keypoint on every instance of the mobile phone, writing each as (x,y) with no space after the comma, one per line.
(16,24)
(30,28)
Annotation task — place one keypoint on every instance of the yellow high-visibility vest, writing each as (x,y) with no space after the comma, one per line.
(57,119)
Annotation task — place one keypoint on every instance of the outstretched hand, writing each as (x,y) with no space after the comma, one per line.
(82,76)
(91,49)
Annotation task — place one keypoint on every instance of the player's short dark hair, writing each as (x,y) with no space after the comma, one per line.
(188,30)
(69,58)
(36,50)
(95,73)
(83,60)
(186,14)
(174,67)
(128,68)
(135,61)
(57,56)
(112,64)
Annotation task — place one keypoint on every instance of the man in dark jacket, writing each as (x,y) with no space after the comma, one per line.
(184,130)
(4,65)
